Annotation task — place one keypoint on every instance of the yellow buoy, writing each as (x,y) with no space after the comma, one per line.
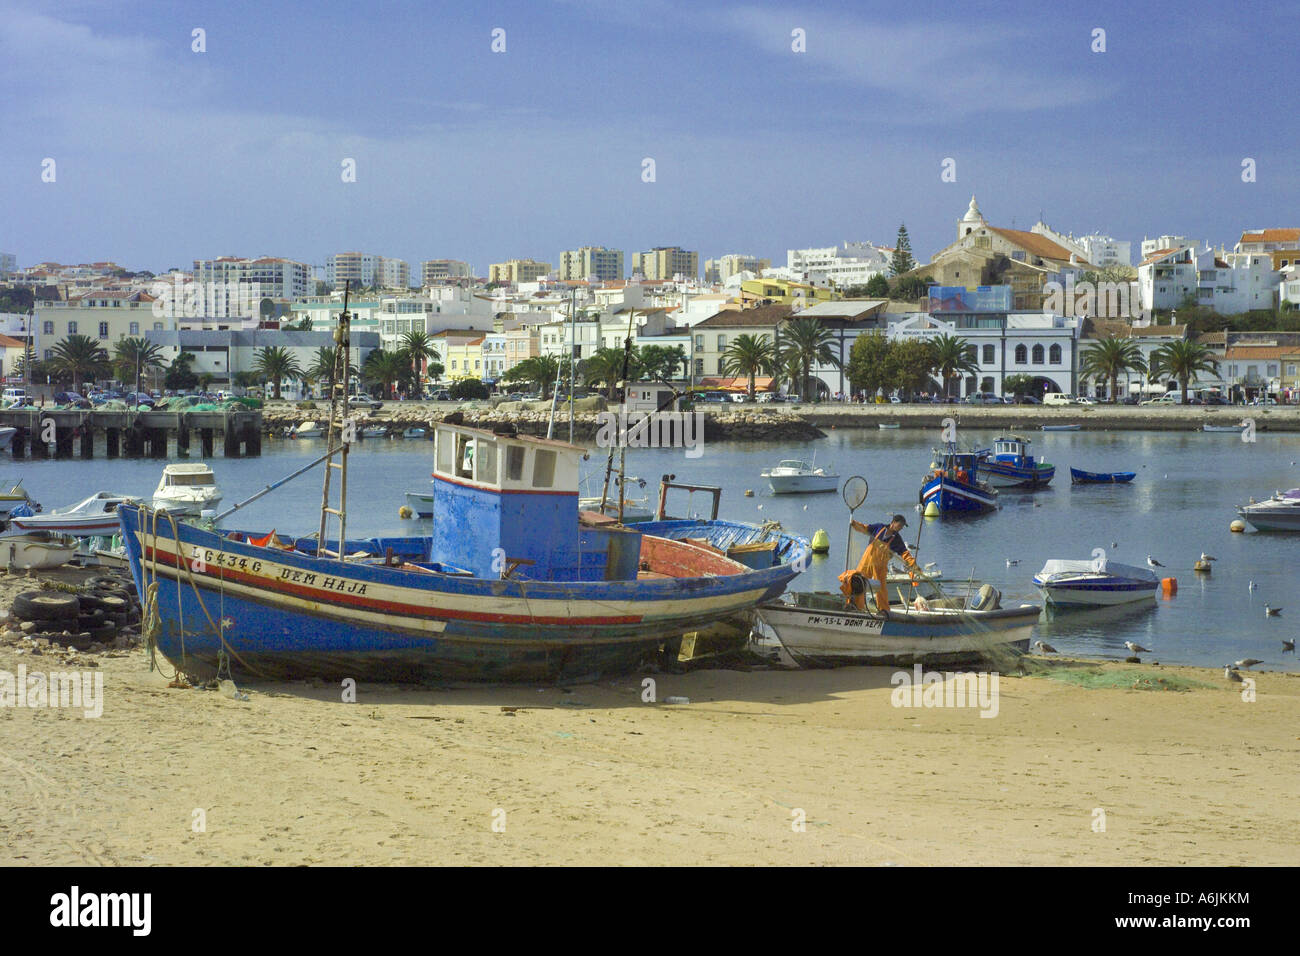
(932,510)
(821,541)
(405,512)
(1201,567)
(1238,525)
(749,492)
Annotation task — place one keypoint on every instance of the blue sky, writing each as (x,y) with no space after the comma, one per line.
(164,155)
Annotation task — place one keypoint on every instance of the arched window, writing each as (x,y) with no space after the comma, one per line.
(1038,355)
(988,355)
(1022,355)
(1054,355)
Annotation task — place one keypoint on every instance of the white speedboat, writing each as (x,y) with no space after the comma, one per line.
(794,476)
(413,432)
(94,515)
(420,502)
(1279,513)
(816,629)
(374,431)
(36,550)
(1234,429)
(1098,583)
(307,430)
(187,488)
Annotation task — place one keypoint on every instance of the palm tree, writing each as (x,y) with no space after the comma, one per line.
(134,357)
(385,369)
(78,356)
(541,370)
(952,357)
(806,342)
(321,369)
(749,355)
(417,344)
(606,366)
(1183,360)
(276,363)
(1110,357)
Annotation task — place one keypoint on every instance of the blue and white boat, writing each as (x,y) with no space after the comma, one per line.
(1080,477)
(1012,466)
(953,484)
(510,586)
(1097,583)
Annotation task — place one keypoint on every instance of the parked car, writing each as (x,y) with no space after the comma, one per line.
(1169,398)
(71,398)
(1085,400)
(139,398)
(1024,400)
(1131,400)
(1058,398)
(364,400)
(982,398)
(442,395)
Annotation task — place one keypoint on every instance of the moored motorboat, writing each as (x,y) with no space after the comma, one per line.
(374,431)
(420,503)
(1012,466)
(1232,429)
(1061,428)
(816,629)
(887,425)
(1096,583)
(1278,513)
(797,476)
(1080,477)
(187,488)
(91,516)
(414,432)
(307,430)
(953,486)
(533,593)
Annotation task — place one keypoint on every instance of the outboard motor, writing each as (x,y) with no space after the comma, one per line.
(987,598)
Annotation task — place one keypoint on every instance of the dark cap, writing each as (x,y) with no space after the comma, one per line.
(899,519)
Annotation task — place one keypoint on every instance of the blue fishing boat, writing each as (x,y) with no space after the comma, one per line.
(513,584)
(1012,466)
(1081,477)
(953,484)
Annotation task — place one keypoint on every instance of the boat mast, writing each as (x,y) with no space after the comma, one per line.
(337,437)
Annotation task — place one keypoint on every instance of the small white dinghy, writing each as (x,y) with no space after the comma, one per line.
(36,550)
(94,515)
(187,488)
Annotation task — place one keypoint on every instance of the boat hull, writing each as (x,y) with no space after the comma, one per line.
(102,524)
(953,496)
(1096,596)
(1271,520)
(28,552)
(1004,475)
(290,615)
(815,637)
(802,484)
(421,502)
(1080,477)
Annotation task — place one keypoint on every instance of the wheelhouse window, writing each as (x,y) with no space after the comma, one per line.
(543,469)
(486,463)
(515,463)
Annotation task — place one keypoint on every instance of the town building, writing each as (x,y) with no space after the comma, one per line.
(366,271)
(718,271)
(591,262)
(518,270)
(797,295)
(440,271)
(8,264)
(1281,245)
(850,263)
(267,277)
(666,262)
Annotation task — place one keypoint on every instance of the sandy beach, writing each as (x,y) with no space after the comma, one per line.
(593,774)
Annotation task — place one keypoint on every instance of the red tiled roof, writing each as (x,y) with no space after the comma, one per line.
(1040,246)
(9,342)
(1271,235)
(1158,254)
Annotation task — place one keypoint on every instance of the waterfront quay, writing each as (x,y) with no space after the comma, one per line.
(75,433)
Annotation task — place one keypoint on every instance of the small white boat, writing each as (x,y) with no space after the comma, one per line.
(374,431)
(818,631)
(796,476)
(187,488)
(94,515)
(1061,428)
(887,424)
(413,432)
(1279,513)
(421,503)
(36,550)
(1098,583)
(307,430)
(1238,428)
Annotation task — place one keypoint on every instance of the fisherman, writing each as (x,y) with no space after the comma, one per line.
(886,541)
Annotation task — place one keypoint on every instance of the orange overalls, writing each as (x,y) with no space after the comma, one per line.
(874,565)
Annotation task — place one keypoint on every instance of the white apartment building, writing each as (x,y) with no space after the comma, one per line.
(1151,246)
(718,271)
(436,271)
(851,263)
(1103,251)
(591,262)
(1288,289)
(272,277)
(365,271)
(1237,282)
(494,356)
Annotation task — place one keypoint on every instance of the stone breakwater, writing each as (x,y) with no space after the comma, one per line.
(531,418)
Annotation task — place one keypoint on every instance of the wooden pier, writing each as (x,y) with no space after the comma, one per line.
(74,433)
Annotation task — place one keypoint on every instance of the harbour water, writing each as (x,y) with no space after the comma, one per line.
(1180,505)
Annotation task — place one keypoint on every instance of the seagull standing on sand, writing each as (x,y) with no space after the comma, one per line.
(1247,662)
(1136,648)
(1152,563)
(1230,674)
(1044,648)
(1271,611)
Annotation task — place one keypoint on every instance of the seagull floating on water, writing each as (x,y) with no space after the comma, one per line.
(1271,611)
(1251,586)
(1153,563)
(1230,674)
(1044,648)
(1247,662)
(1136,648)
(1012,562)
